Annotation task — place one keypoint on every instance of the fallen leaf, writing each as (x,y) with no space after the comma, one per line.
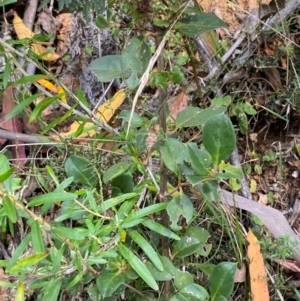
(24,32)
(59,90)
(240,274)
(3,289)
(258,275)
(105,112)
(263,199)
(177,104)
(274,77)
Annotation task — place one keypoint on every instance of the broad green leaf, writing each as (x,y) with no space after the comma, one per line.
(243,121)
(191,292)
(147,248)
(20,293)
(101,22)
(81,169)
(219,138)
(108,68)
(209,191)
(37,239)
(19,250)
(198,23)
(9,208)
(248,108)
(182,279)
(206,268)
(28,262)
(200,159)
(180,205)
(230,171)
(158,228)
(186,246)
(135,58)
(5,175)
(222,101)
(5,168)
(138,266)
(221,281)
(161,23)
(143,212)
(202,235)
(51,198)
(167,274)
(124,183)
(137,120)
(108,283)
(173,152)
(115,201)
(192,116)
(6,2)
(115,171)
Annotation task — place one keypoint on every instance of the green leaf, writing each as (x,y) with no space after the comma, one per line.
(108,283)
(52,290)
(74,281)
(20,107)
(20,293)
(108,68)
(173,152)
(5,169)
(6,74)
(156,227)
(200,159)
(115,201)
(248,108)
(209,191)
(186,246)
(71,233)
(101,22)
(182,279)
(191,292)
(206,268)
(202,235)
(30,79)
(135,58)
(221,281)
(143,212)
(160,22)
(37,238)
(219,138)
(243,121)
(137,120)
(198,23)
(138,266)
(19,250)
(192,116)
(222,101)
(28,262)
(147,248)
(6,2)
(81,169)
(124,183)
(115,171)
(51,198)
(9,208)
(230,171)
(180,206)
(168,272)
(5,175)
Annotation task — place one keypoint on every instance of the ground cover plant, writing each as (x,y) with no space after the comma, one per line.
(149,150)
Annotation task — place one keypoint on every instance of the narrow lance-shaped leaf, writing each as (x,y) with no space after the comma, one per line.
(138,266)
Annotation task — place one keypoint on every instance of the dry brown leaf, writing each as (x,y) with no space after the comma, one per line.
(3,290)
(177,104)
(258,275)
(263,199)
(274,77)
(23,32)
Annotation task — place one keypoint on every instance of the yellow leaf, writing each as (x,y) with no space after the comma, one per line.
(105,112)
(258,276)
(53,88)
(24,32)
(253,186)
